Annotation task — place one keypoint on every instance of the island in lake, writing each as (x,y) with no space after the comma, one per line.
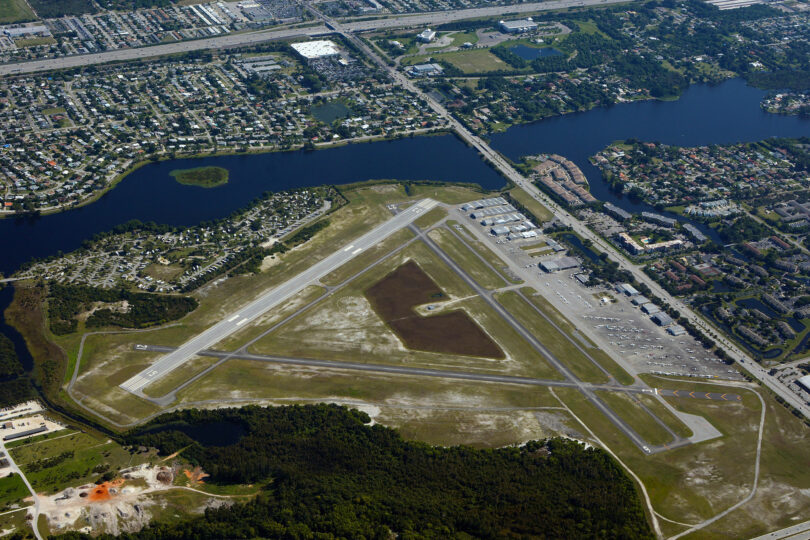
(207,177)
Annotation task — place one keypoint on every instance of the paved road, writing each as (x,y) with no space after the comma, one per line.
(252,38)
(234,321)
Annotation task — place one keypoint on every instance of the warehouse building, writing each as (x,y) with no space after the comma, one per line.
(520,26)
(556,265)
(26,433)
(805,382)
(483,203)
(316,49)
(627,289)
(662,319)
(676,330)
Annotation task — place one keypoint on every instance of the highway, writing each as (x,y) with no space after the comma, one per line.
(234,321)
(261,36)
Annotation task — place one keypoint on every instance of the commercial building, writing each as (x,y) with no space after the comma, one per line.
(627,289)
(520,26)
(316,49)
(483,203)
(649,308)
(615,211)
(26,433)
(426,36)
(426,70)
(563,263)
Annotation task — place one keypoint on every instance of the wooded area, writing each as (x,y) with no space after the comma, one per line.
(328,474)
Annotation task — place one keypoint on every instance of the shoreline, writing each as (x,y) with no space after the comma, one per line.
(135,165)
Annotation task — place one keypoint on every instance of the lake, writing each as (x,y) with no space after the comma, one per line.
(720,114)
(150,194)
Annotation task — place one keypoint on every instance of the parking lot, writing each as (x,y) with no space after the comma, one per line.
(605,316)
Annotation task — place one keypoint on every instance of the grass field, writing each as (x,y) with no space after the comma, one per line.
(55,464)
(482,250)
(636,417)
(474,61)
(540,212)
(561,321)
(174,378)
(12,11)
(34,42)
(12,491)
(467,259)
(559,345)
(431,218)
(367,257)
(205,177)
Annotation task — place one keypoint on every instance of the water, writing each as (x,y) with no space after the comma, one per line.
(6,295)
(530,53)
(721,114)
(220,433)
(150,194)
(329,112)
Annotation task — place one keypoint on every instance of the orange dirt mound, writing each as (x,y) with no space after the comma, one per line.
(196,476)
(102,491)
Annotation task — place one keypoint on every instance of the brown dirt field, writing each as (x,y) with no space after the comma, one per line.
(454,332)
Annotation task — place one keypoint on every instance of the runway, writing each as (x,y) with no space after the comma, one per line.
(234,321)
(429,372)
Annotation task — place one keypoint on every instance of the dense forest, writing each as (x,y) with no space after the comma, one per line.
(132,310)
(14,386)
(9,363)
(328,474)
(742,229)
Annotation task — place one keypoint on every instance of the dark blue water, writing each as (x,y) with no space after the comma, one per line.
(150,194)
(6,295)
(721,114)
(530,53)
(220,433)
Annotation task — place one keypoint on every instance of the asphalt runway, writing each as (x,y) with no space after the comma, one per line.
(234,321)
(716,396)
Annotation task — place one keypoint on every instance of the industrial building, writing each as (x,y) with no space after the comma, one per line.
(520,26)
(563,263)
(426,36)
(426,70)
(316,49)
(493,211)
(650,309)
(26,433)
(626,288)
(483,203)
(676,330)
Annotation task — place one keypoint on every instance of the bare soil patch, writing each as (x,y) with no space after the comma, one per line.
(396,295)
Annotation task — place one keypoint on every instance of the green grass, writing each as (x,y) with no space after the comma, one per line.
(665,415)
(178,376)
(483,251)
(532,205)
(431,218)
(560,320)
(628,409)
(16,521)
(469,62)
(34,42)
(12,491)
(206,177)
(558,344)
(38,438)
(460,38)
(89,452)
(12,11)
(467,259)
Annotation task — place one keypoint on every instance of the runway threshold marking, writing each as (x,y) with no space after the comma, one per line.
(356,251)
(349,247)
